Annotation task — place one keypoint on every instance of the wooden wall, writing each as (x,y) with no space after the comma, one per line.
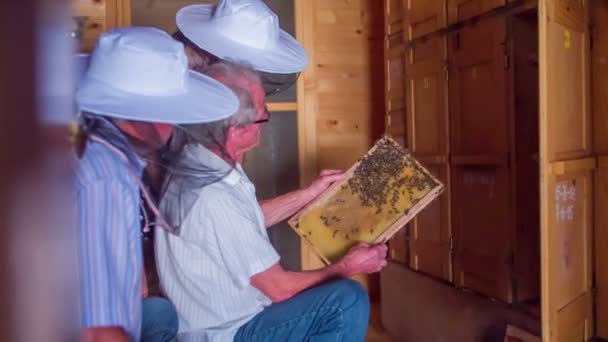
(567,166)
(599,72)
(93,17)
(340,95)
(471,105)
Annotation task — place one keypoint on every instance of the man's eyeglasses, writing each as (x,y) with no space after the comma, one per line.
(261,121)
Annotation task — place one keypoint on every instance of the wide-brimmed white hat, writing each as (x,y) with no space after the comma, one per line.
(142,74)
(243,30)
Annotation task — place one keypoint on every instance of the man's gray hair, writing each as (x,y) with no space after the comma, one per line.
(238,78)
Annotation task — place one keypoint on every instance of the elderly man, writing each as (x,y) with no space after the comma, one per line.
(248,32)
(136,87)
(221,271)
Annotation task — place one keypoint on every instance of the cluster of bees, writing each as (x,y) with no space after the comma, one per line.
(379,179)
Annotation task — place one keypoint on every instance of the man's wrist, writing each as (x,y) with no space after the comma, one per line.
(339,269)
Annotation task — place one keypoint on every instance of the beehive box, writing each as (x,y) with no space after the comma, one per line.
(384,190)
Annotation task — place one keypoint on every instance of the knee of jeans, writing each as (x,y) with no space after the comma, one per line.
(163,311)
(172,318)
(354,295)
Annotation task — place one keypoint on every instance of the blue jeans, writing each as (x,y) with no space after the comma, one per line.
(159,320)
(336,311)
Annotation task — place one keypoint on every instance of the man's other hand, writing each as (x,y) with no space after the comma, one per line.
(326,179)
(363,259)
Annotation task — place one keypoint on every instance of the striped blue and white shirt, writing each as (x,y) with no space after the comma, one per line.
(110,262)
(206,270)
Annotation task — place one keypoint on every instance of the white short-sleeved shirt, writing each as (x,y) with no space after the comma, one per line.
(206,270)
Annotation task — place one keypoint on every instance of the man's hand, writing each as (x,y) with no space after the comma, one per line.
(280,285)
(325,180)
(363,259)
(102,334)
(280,208)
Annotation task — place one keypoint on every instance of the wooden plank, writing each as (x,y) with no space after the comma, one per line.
(90,8)
(570,131)
(571,206)
(342,79)
(428,136)
(336,132)
(600,240)
(395,79)
(514,7)
(430,249)
(428,50)
(282,106)
(339,157)
(477,89)
(341,5)
(561,168)
(567,194)
(91,16)
(394,93)
(350,36)
(424,17)
(98,17)
(354,60)
(482,229)
(569,13)
(599,75)
(570,326)
(482,224)
(394,15)
(111,13)
(346,18)
(354,89)
(460,10)
(427,101)
(307,109)
(124,13)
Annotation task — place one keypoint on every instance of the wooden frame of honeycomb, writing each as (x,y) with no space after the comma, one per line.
(380,194)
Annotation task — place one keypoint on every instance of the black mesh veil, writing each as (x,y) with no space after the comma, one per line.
(186,175)
(183,177)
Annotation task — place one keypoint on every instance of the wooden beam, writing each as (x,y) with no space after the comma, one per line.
(511,8)
(307,108)
(282,106)
(561,168)
(124,13)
